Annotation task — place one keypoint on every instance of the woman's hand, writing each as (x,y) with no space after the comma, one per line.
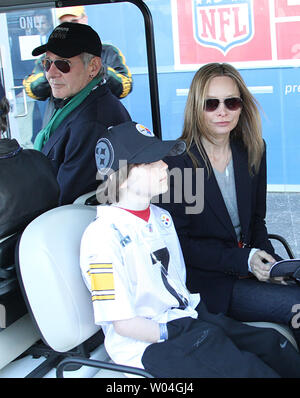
(260,264)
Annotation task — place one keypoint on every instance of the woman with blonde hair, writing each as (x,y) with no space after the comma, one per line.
(248,127)
(226,247)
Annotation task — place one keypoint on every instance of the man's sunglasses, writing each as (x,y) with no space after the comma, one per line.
(232,104)
(61,64)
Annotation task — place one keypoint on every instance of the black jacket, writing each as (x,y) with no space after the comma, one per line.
(71,147)
(28,186)
(212,255)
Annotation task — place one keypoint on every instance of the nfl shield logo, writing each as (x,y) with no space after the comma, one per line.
(223,24)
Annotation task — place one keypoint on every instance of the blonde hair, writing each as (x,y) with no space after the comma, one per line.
(248,129)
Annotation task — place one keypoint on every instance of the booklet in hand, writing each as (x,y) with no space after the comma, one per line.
(286,268)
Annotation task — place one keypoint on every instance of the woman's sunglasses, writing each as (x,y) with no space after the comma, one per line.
(232,104)
(62,64)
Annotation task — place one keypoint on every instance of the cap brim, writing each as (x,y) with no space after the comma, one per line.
(39,50)
(65,51)
(158,150)
(178,148)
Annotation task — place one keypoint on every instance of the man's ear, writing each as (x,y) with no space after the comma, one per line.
(95,66)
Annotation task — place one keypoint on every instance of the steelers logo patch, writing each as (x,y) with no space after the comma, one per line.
(166,220)
(104,155)
(143,130)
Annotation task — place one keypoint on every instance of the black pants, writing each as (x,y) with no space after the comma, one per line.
(252,300)
(217,346)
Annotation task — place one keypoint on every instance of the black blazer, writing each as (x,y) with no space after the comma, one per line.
(212,255)
(71,147)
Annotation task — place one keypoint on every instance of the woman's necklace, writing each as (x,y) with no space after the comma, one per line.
(227,161)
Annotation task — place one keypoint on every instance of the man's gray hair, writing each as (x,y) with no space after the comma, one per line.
(86,59)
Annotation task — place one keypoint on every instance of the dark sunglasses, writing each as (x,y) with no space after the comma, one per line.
(62,64)
(232,104)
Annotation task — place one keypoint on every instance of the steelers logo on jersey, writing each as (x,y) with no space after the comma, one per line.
(166,220)
(104,155)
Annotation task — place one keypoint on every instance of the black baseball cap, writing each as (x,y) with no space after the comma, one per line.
(70,39)
(133,143)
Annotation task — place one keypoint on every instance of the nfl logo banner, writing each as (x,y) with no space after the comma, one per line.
(223,24)
(222,31)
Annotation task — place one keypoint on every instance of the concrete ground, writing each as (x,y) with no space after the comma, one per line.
(283,218)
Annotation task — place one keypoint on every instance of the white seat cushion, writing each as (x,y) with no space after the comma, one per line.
(51,276)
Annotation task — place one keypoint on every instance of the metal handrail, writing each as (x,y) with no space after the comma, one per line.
(99,364)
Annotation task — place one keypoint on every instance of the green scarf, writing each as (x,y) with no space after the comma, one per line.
(44,135)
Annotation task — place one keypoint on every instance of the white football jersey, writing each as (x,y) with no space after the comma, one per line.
(134,268)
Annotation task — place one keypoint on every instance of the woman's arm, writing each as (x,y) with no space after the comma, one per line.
(259,233)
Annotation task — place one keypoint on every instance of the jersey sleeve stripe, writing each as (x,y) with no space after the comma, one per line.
(102,281)
(103,297)
(101,266)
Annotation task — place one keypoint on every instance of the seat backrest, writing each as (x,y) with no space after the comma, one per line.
(50,276)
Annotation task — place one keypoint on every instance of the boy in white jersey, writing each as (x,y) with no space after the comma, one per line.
(132,263)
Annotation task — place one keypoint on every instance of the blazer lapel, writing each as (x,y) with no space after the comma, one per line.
(61,129)
(52,141)
(214,199)
(242,184)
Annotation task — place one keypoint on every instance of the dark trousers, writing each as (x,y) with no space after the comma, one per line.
(252,301)
(217,346)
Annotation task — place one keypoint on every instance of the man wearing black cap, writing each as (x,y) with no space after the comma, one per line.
(117,73)
(136,275)
(85,107)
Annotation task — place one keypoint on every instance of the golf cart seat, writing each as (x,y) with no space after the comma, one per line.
(56,295)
